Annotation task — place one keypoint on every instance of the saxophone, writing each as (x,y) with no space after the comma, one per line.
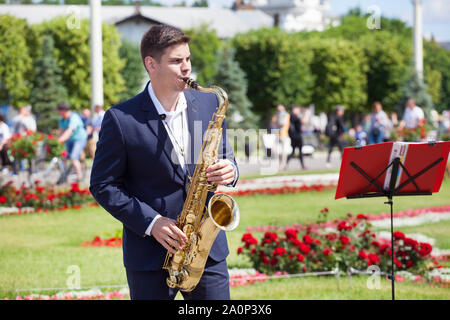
(200,224)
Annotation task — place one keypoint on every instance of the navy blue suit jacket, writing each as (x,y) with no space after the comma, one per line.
(134,178)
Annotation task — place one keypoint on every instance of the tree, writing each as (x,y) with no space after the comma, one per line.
(437,61)
(72,53)
(133,72)
(15,61)
(231,78)
(204,46)
(277,69)
(388,58)
(48,90)
(340,70)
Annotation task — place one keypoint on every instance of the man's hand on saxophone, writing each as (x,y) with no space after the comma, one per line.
(166,232)
(221,172)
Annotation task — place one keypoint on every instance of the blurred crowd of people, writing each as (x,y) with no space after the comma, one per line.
(78,131)
(376,127)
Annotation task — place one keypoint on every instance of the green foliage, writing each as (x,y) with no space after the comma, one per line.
(15,61)
(437,60)
(204,46)
(73,55)
(133,72)
(48,90)
(232,79)
(340,68)
(388,58)
(355,25)
(277,68)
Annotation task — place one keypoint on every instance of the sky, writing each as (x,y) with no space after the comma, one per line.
(436,13)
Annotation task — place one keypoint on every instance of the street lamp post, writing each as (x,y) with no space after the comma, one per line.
(96,53)
(417,38)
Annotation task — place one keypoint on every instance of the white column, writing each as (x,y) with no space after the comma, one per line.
(418,38)
(96,53)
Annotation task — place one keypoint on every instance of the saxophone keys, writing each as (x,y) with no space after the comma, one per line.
(188,228)
(190,218)
(178,257)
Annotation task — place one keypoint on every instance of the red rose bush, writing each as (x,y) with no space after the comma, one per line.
(351,243)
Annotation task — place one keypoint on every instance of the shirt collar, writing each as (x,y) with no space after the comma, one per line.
(181,105)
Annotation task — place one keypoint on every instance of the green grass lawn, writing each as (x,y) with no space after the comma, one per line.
(36,250)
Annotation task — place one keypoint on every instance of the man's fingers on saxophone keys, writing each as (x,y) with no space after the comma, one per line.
(177,233)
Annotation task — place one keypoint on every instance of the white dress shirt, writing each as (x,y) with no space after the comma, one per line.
(412,117)
(176,126)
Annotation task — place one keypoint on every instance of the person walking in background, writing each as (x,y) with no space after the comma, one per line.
(379,123)
(360,136)
(281,122)
(89,150)
(73,134)
(413,116)
(5,135)
(295,133)
(24,122)
(97,120)
(335,130)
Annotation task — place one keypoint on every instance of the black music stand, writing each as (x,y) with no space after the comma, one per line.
(392,190)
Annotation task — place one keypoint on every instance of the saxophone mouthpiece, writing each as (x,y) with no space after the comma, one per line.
(191,83)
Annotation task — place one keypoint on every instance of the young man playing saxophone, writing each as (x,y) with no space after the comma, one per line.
(146,152)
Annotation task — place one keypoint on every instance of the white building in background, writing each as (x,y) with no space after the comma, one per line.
(133,21)
(294,15)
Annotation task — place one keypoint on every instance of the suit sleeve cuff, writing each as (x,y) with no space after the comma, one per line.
(232,184)
(148,232)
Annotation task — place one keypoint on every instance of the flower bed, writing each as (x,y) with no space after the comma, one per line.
(93,294)
(350,244)
(38,198)
(114,242)
(378,220)
(282,184)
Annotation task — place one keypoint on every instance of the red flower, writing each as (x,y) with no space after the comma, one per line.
(343,226)
(64,153)
(399,235)
(409,263)
(239,250)
(2,199)
(344,239)
(397,263)
(307,239)
(249,239)
(425,249)
(270,237)
(279,251)
(331,236)
(326,252)
(362,254)
(300,257)
(18,204)
(291,234)
(304,248)
(373,259)
(411,243)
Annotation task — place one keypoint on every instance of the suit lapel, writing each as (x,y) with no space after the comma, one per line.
(155,124)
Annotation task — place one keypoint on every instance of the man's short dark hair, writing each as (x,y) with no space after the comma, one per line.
(63,107)
(158,38)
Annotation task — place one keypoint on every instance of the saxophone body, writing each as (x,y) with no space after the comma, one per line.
(202,222)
